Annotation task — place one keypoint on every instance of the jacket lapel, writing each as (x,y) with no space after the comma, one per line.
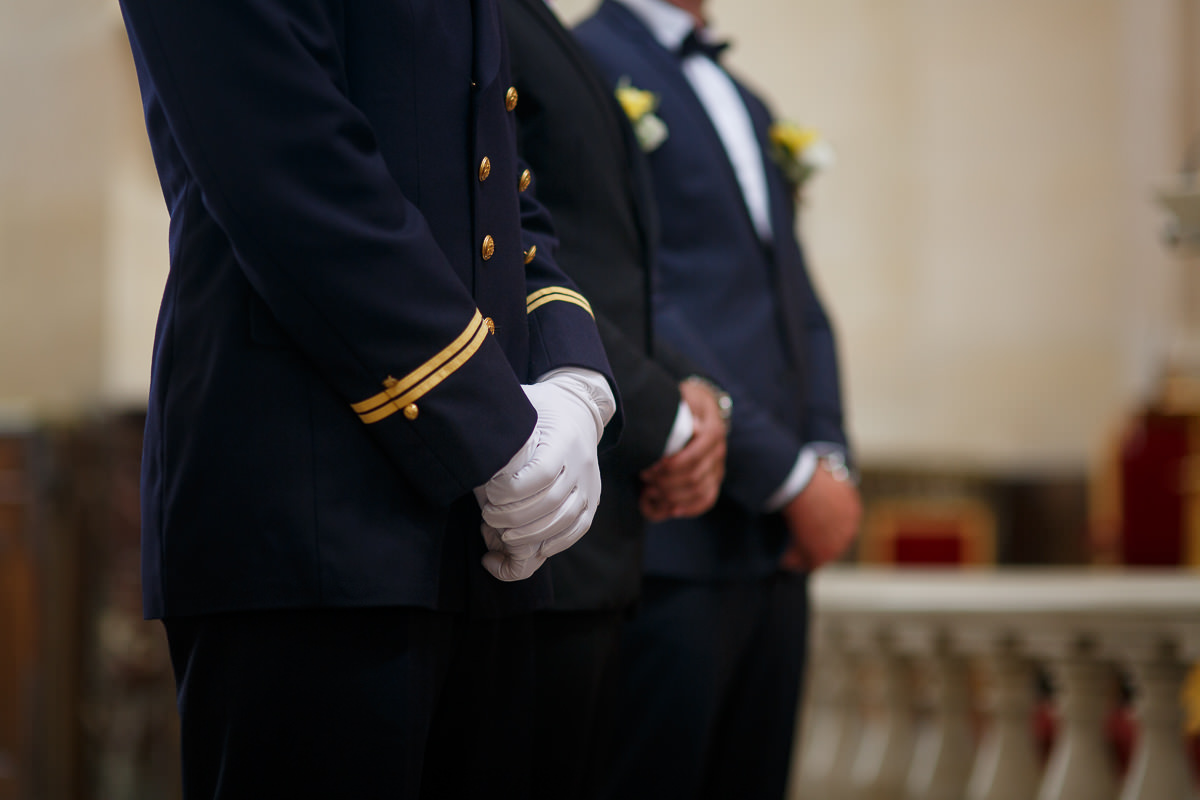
(679,91)
(637,179)
(786,261)
(569,47)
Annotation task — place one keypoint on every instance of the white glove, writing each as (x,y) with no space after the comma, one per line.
(544,499)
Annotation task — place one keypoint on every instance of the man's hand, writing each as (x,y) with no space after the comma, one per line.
(822,520)
(544,499)
(687,483)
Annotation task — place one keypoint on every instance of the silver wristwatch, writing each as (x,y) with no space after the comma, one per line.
(724,401)
(834,462)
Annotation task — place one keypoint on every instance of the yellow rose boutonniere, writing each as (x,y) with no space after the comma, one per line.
(639,106)
(799,152)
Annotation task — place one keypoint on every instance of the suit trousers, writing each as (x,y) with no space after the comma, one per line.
(576,654)
(363,703)
(708,689)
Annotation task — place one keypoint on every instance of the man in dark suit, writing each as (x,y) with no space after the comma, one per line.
(715,654)
(363,342)
(588,172)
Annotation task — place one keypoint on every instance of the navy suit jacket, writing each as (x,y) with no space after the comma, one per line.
(353,303)
(746,310)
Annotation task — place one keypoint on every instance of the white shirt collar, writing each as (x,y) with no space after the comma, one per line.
(669,24)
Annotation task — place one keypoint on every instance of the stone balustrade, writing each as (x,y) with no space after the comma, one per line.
(923,684)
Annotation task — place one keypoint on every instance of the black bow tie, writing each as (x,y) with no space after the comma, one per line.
(695,45)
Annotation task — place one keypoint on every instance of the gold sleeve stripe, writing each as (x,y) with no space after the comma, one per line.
(429,374)
(432,380)
(419,374)
(553,294)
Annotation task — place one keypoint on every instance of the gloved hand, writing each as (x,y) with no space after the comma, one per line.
(544,499)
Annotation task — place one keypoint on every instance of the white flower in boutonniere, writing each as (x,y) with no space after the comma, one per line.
(639,106)
(799,152)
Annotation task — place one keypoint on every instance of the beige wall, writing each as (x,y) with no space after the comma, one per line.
(986,242)
(79,277)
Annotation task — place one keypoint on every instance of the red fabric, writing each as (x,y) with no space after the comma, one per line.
(926,547)
(1152,499)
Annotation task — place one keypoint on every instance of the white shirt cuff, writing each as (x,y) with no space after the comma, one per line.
(796,481)
(681,431)
(802,472)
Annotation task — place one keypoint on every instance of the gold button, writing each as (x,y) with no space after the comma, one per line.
(530,253)
(510,98)
(411,411)
(485,169)
(526,179)
(491,325)
(489,247)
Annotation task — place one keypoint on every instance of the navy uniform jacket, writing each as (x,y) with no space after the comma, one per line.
(592,178)
(353,303)
(744,309)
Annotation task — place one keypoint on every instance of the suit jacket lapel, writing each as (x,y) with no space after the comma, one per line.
(567,44)
(778,191)
(669,67)
(787,261)
(637,179)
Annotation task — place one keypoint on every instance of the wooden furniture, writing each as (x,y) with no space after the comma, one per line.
(949,531)
(18,614)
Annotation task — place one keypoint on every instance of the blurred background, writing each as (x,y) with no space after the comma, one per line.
(1019,321)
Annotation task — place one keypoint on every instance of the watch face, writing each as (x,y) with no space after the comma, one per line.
(725,407)
(835,465)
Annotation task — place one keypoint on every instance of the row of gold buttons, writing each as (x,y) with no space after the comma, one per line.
(411,412)
(488,248)
(485,171)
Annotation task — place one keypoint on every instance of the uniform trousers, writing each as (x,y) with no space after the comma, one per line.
(708,689)
(576,655)
(391,703)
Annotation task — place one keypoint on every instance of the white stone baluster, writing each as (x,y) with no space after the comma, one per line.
(1160,769)
(1080,766)
(885,748)
(1062,618)
(832,720)
(941,760)
(1006,764)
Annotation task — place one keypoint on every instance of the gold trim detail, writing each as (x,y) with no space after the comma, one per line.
(553,294)
(403,394)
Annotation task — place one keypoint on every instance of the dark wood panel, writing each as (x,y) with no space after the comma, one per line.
(18,619)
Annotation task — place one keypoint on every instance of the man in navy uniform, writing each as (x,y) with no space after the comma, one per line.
(362,342)
(714,656)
